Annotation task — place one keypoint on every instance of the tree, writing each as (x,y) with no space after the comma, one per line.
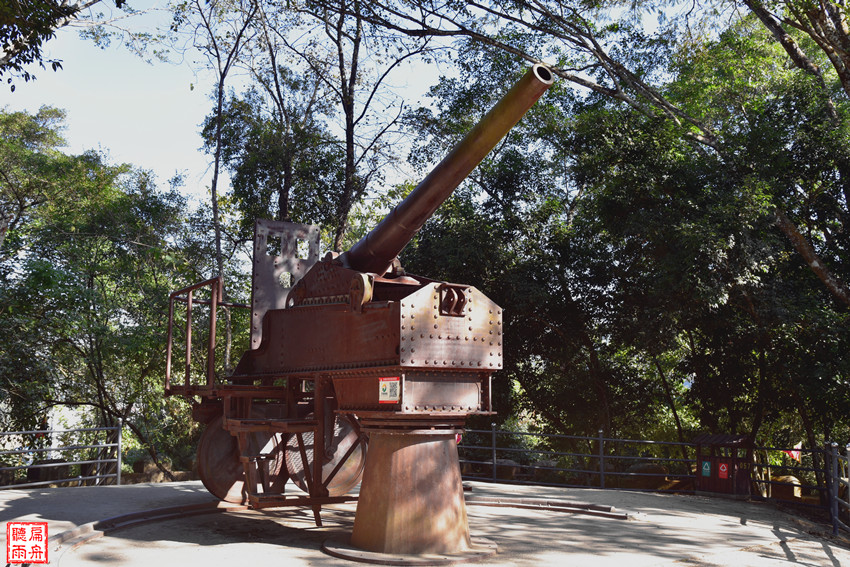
(354,62)
(220,31)
(497,233)
(646,277)
(825,23)
(297,105)
(622,61)
(84,295)
(31,171)
(25,26)
(283,162)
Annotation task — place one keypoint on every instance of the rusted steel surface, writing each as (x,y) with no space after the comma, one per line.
(411,500)
(414,333)
(323,337)
(345,342)
(420,392)
(186,296)
(343,458)
(464,332)
(220,467)
(283,253)
(375,251)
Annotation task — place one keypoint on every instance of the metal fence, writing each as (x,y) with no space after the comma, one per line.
(801,478)
(839,487)
(576,461)
(92,456)
(71,457)
(814,479)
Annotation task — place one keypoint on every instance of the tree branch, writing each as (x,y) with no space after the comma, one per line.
(807,251)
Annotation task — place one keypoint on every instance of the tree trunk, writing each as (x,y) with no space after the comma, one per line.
(348,86)
(758,416)
(4,228)
(284,191)
(707,419)
(219,257)
(600,381)
(669,394)
(810,437)
(146,443)
(835,286)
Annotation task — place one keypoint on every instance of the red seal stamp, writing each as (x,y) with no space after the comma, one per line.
(26,542)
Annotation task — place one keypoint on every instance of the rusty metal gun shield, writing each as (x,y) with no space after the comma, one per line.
(343,462)
(222,472)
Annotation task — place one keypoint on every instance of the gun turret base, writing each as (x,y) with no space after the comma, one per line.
(411,499)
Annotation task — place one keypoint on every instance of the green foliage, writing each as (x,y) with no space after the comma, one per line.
(284,165)
(86,275)
(24,27)
(646,288)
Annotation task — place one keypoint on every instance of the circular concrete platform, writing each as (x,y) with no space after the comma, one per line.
(342,549)
(660,530)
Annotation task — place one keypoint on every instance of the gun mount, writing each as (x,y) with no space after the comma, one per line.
(348,351)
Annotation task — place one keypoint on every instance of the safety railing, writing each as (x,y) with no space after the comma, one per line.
(839,487)
(576,461)
(790,475)
(74,457)
(814,479)
(187,296)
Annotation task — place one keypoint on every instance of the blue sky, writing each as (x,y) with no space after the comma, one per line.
(148,115)
(138,113)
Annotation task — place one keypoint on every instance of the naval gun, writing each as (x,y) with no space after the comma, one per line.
(349,352)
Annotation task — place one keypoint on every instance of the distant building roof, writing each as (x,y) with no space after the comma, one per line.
(722,439)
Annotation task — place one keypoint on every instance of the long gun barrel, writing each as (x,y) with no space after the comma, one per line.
(343,353)
(376,251)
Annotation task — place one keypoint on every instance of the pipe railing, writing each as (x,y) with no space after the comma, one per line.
(604,462)
(93,460)
(839,477)
(187,296)
(591,466)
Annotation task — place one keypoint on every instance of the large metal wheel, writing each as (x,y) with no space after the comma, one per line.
(219,467)
(343,464)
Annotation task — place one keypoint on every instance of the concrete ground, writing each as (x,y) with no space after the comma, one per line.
(661,530)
